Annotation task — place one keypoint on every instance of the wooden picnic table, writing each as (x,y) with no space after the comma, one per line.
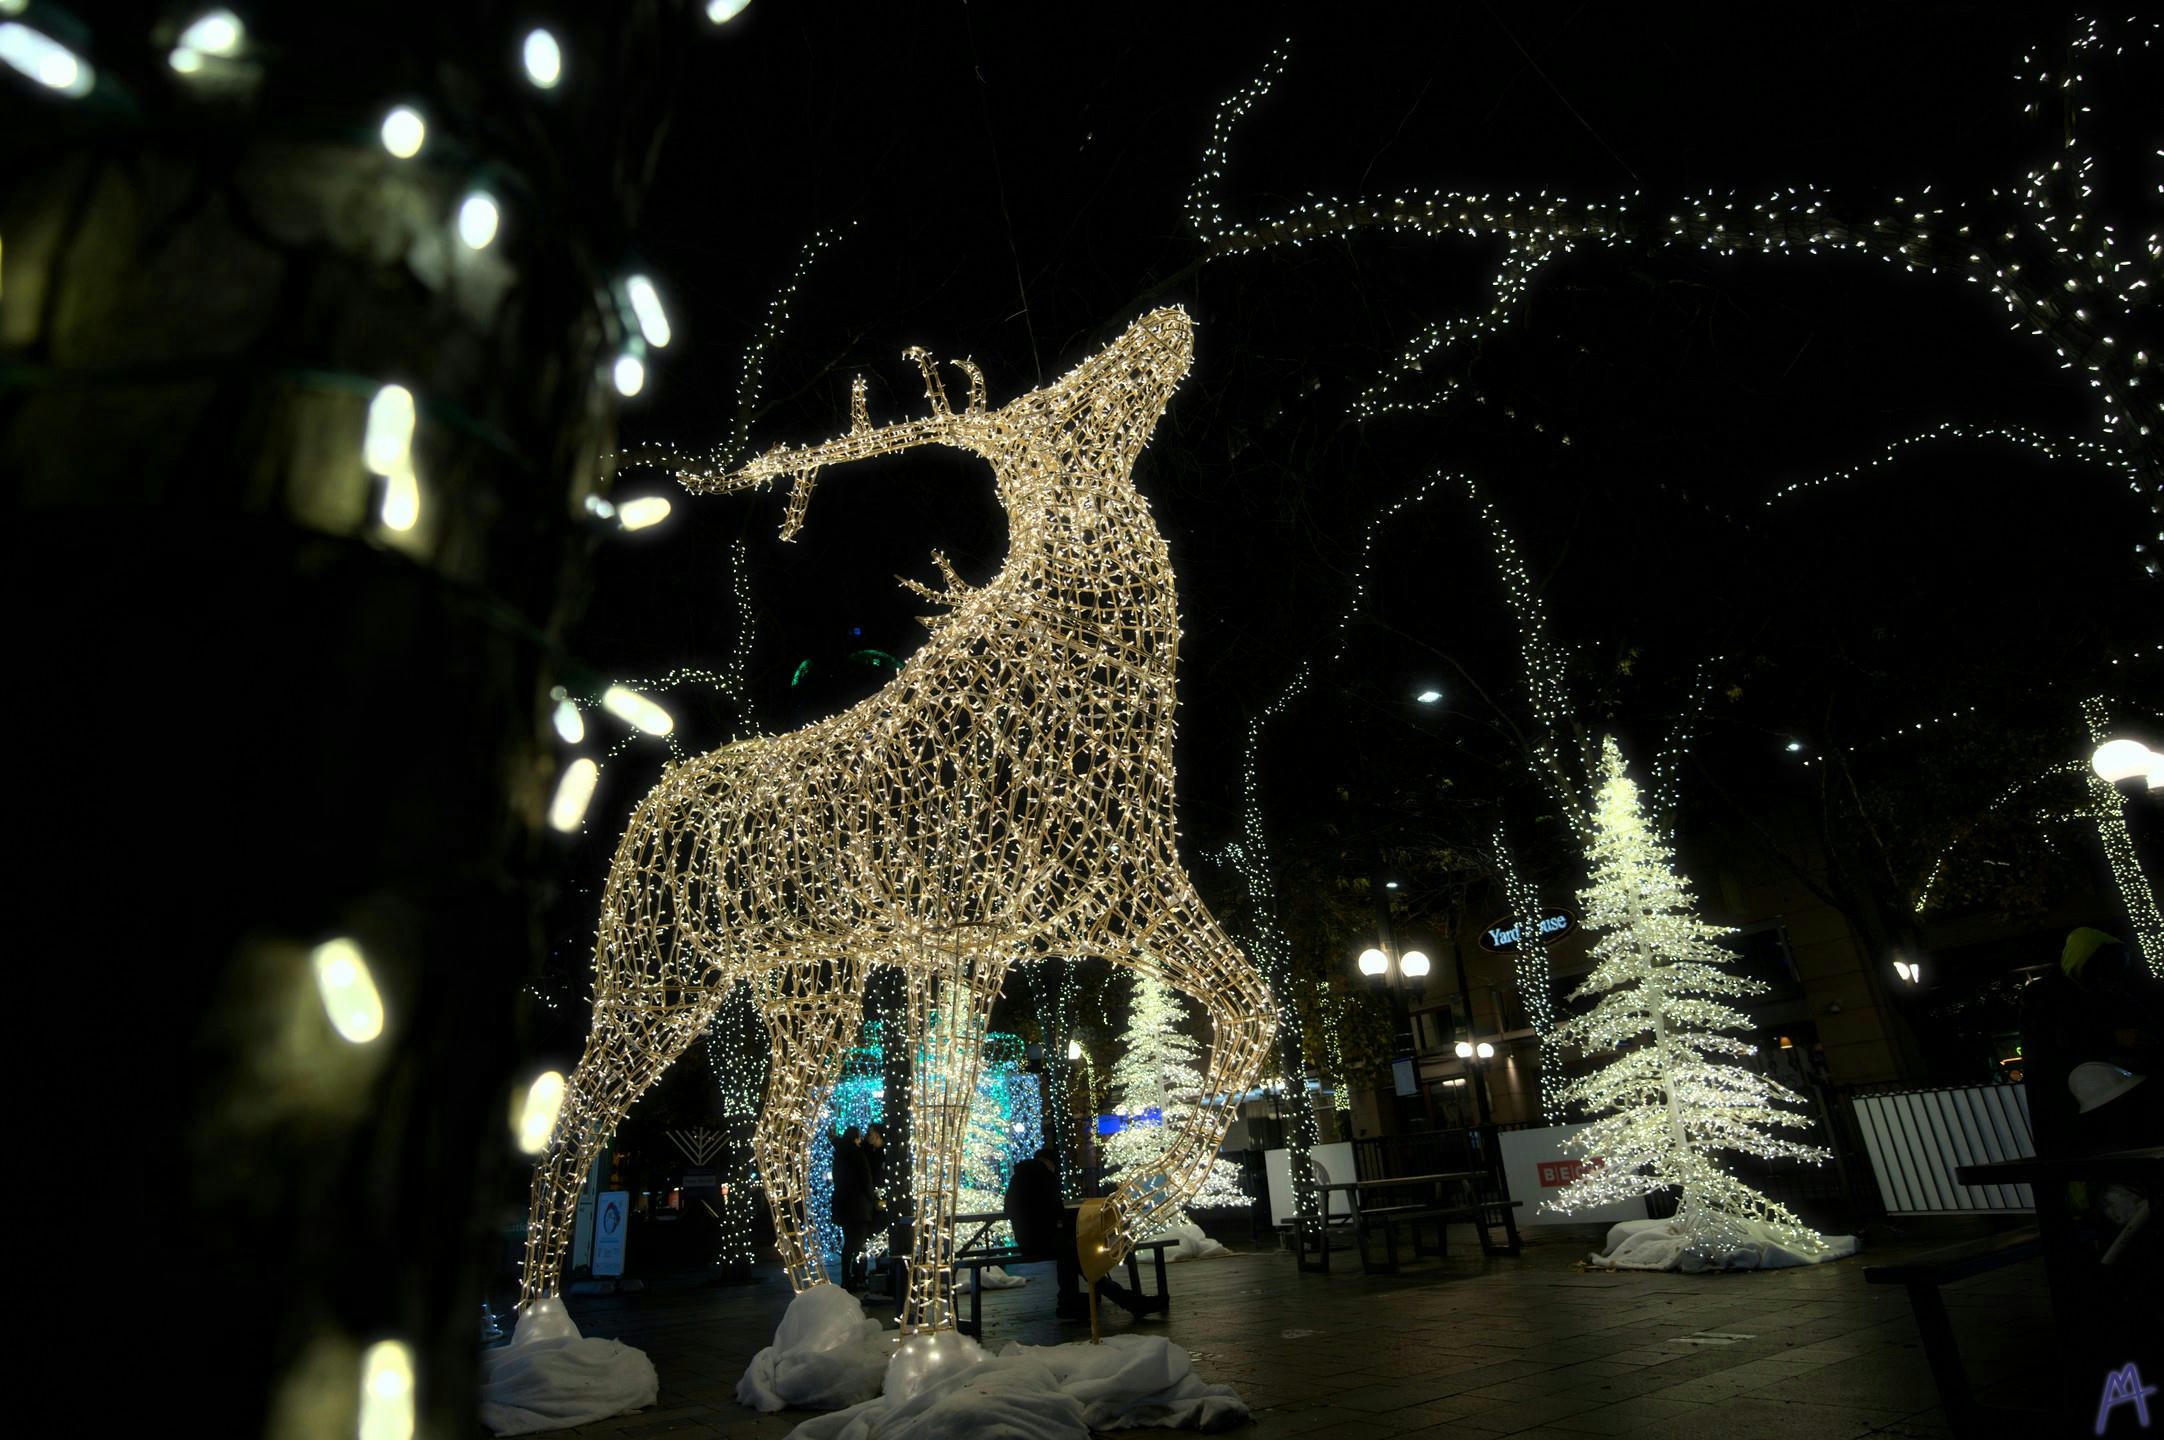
(1438,1209)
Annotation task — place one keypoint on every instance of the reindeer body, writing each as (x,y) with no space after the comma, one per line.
(1009,793)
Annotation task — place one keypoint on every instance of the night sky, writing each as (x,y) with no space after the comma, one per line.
(1009,186)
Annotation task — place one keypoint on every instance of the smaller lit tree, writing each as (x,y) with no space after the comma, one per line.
(1154,1086)
(1673,1098)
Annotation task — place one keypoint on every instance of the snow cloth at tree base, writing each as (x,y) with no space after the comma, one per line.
(827,1353)
(1745,1245)
(1028,1392)
(550,1377)
(992,1277)
(1194,1245)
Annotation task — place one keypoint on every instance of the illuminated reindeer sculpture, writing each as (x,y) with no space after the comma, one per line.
(1008,794)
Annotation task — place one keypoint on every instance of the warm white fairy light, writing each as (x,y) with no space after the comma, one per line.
(403,131)
(569,723)
(543,59)
(348,991)
(477,220)
(1665,1108)
(567,810)
(646,309)
(386,1409)
(2039,249)
(632,708)
(538,1109)
(401,507)
(644,511)
(388,438)
(949,825)
(215,32)
(44,59)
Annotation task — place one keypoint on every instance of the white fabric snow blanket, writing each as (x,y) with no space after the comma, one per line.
(827,1353)
(550,1377)
(1658,1245)
(1194,1245)
(951,1389)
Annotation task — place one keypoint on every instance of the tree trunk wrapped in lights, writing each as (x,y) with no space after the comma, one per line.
(1673,1099)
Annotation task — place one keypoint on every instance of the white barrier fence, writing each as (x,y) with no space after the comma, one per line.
(1917,1138)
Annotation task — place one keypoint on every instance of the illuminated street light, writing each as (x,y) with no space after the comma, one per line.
(2117,760)
(1373,962)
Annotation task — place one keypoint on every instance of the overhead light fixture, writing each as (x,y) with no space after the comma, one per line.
(630,376)
(1429,697)
(721,12)
(1464,1049)
(1412,964)
(1794,746)
(1484,1050)
(1373,962)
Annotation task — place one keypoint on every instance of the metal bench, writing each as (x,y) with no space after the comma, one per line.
(1486,1214)
(977,1260)
(1923,1275)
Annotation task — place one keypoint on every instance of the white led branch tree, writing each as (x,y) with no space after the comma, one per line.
(1674,1097)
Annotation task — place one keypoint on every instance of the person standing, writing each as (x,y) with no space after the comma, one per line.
(850,1205)
(1043,1225)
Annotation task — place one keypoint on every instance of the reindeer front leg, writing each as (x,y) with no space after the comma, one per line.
(1181,944)
(950,1007)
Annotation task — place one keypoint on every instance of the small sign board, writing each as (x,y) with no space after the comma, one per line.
(701,1177)
(1405,1076)
(1504,933)
(1537,1165)
(612,1216)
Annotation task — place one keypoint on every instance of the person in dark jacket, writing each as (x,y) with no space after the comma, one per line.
(1043,1225)
(853,1205)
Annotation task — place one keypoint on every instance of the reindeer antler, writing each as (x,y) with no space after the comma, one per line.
(863,441)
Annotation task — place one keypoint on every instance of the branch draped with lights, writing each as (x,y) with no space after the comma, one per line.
(1666,1107)
(1009,791)
(2038,247)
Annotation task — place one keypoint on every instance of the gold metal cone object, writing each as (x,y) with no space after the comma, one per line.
(1095,1248)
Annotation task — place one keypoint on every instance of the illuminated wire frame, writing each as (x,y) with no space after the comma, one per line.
(1008,794)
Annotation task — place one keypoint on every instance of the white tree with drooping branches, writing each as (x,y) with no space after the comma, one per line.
(1674,1097)
(1156,1070)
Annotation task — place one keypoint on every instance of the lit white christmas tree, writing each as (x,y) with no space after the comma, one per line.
(1156,1071)
(1673,1098)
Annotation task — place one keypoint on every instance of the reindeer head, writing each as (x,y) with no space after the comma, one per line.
(1092,421)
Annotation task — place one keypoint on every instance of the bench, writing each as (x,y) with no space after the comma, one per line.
(1486,1215)
(1923,1275)
(977,1260)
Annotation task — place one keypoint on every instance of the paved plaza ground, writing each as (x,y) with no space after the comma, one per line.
(1531,1346)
